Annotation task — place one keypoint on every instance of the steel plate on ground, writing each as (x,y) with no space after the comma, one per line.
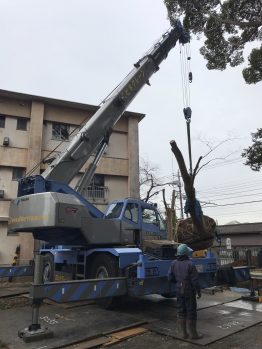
(68,326)
(210,300)
(243,304)
(214,323)
(206,301)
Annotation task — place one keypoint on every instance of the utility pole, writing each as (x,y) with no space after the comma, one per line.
(180,196)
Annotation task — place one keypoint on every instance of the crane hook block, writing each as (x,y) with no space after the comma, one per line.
(187,113)
(190,76)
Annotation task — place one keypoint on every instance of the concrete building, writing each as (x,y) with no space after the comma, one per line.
(241,235)
(33,128)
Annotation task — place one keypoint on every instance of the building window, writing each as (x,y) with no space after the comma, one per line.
(18,172)
(21,124)
(60,132)
(98,181)
(2,121)
(97,189)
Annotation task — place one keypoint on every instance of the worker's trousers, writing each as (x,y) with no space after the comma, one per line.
(187,306)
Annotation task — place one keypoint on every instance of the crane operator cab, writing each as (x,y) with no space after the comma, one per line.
(140,220)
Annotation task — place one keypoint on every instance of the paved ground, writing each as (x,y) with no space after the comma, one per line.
(226,321)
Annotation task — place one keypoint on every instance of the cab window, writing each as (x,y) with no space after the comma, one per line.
(131,212)
(149,216)
(114,210)
(162,225)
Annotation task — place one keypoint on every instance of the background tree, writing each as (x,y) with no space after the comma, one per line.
(171,217)
(227,26)
(150,182)
(253,154)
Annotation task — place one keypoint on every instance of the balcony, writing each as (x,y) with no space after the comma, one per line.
(96,194)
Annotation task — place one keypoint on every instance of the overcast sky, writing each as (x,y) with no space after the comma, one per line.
(79,50)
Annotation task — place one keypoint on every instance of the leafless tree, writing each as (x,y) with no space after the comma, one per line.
(203,228)
(171,217)
(151,183)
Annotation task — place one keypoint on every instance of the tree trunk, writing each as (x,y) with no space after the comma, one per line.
(200,231)
(170,216)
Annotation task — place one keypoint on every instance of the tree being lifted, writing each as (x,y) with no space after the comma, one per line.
(198,231)
(228,26)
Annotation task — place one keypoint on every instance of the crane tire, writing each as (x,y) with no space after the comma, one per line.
(105,266)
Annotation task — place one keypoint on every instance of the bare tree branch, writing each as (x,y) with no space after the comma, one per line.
(195,171)
(164,198)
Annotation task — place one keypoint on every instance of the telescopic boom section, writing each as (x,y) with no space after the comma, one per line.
(99,127)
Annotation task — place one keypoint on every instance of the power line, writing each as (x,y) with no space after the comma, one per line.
(222,164)
(235,197)
(227,187)
(233,204)
(238,213)
(227,192)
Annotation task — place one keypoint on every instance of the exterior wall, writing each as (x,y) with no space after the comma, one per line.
(246,234)
(17,138)
(118,146)
(243,240)
(7,184)
(118,187)
(27,148)
(133,157)
(8,244)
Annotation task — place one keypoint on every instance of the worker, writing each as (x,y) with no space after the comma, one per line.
(184,274)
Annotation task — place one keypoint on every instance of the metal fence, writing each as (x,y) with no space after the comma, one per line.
(237,255)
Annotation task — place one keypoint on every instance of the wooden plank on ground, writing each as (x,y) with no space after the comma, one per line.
(108,340)
(88,344)
(125,334)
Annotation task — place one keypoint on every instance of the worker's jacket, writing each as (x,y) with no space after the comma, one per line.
(183,272)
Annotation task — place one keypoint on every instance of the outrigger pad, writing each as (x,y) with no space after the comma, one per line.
(35,335)
(214,323)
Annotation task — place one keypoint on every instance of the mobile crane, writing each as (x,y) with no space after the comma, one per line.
(101,245)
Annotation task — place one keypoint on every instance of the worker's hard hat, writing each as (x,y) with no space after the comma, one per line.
(183,249)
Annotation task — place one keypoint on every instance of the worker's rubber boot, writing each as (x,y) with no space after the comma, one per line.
(182,328)
(193,331)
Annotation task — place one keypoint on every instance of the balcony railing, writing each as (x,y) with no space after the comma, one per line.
(95,193)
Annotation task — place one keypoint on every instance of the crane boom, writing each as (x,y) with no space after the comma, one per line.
(98,129)
(51,189)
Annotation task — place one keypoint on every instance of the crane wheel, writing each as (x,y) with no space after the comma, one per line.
(106,266)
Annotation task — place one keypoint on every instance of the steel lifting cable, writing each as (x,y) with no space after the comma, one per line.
(187,78)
